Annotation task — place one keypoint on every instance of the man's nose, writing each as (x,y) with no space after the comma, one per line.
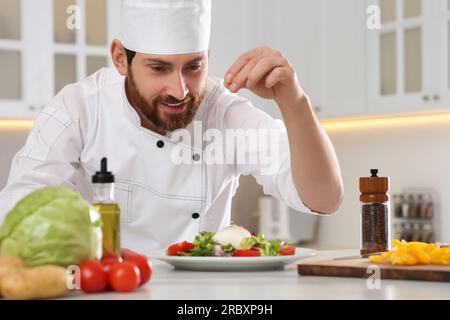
(177,87)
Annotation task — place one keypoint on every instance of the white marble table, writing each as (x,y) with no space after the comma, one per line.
(169,283)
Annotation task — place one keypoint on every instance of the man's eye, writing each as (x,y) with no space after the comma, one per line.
(157,69)
(195,67)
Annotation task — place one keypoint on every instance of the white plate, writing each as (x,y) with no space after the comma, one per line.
(232,263)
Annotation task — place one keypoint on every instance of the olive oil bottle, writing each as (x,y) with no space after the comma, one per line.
(104,203)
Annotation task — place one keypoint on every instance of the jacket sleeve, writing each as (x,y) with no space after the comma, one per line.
(267,157)
(51,153)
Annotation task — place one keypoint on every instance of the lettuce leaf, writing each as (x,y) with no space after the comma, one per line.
(266,247)
(204,245)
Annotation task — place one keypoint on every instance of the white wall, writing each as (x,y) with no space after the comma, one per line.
(412,155)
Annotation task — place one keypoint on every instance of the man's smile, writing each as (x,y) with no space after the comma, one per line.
(175,108)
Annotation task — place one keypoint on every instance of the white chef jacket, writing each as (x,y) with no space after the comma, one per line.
(161,202)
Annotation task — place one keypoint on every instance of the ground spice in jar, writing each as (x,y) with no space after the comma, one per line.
(375,227)
(375,211)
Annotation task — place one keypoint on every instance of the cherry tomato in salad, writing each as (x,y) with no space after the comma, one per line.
(246,253)
(287,250)
(124,276)
(176,248)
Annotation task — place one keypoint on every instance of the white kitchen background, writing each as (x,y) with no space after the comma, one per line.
(382,94)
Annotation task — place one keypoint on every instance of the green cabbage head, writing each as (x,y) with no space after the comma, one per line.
(53,225)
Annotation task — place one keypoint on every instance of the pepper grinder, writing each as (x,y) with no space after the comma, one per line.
(375,214)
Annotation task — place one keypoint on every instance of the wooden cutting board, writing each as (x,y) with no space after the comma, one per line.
(358,268)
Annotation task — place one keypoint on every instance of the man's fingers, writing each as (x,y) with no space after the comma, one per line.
(240,79)
(276,75)
(264,67)
(241,62)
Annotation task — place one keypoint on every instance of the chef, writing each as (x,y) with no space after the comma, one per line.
(159,85)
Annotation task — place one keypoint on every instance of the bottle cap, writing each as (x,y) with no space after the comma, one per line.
(103,176)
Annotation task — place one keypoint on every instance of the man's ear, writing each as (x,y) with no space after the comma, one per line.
(119,57)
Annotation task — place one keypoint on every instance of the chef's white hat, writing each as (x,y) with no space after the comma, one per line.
(166,26)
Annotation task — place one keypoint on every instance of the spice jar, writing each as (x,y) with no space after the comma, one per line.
(375,208)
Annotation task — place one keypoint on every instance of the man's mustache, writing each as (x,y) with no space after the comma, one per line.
(172,100)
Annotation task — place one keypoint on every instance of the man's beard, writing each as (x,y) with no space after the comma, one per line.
(165,122)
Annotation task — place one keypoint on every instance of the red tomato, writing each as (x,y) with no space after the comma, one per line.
(141,261)
(111,255)
(144,265)
(124,276)
(176,248)
(287,250)
(246,253)
(92,276)
(127,252)
(108,264)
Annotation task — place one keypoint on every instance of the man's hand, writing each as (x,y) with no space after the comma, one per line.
(314,166)
(267,73)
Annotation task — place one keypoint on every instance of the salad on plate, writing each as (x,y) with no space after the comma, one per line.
(232,241)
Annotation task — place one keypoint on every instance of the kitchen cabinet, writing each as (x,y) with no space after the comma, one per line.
(42,48)
(351,70)
(298,35)
(18,72)
(346,68)
(237,27)
(343,75)
(442,49)
(325,41)
(408,58)
(326,50)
